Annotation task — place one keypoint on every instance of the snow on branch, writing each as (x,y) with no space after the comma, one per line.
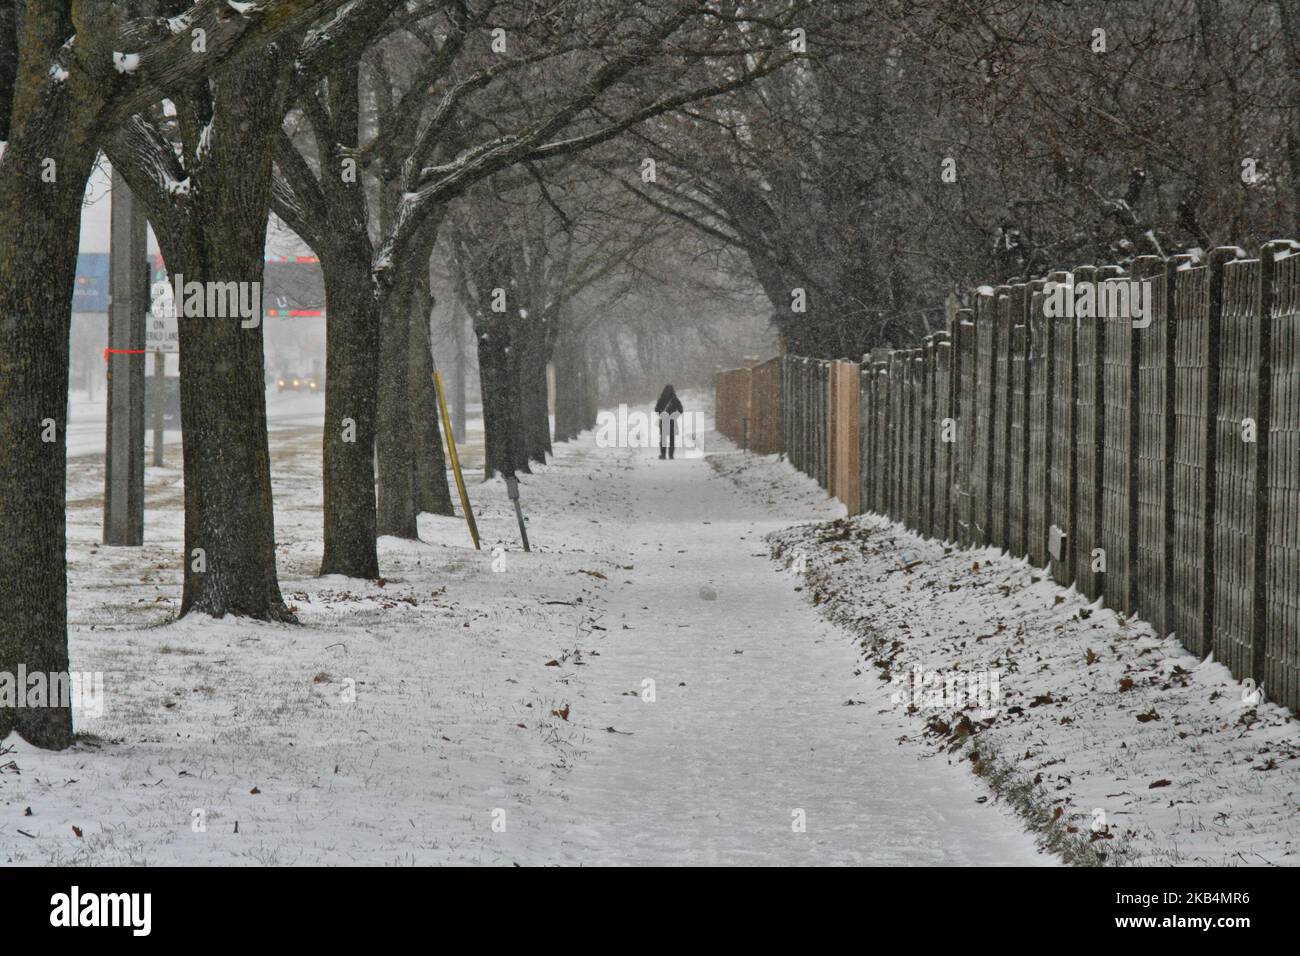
(157,54)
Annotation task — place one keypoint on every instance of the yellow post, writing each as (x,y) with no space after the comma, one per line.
(455,461)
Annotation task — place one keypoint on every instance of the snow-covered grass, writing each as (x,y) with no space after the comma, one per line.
(1111,740)
(385,729)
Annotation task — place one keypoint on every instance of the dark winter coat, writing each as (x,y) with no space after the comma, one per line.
(668,402)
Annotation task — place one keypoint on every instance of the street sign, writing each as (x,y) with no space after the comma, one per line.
(160,333)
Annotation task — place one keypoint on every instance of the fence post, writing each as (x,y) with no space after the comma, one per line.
(866,409)
(1238,489)
(1120,449)
(986,348)
(1153,487)
(1018,430)
(1039,422)
(1190,297)
(930,407)
(916,456)
(850,382)
(999,479)
(1088,444)
(1280,307)
(964,411)
(880,385)
(1065,445)
(942,482)
(907,464)
(906,430)
(1218,259)
(897,432)
(780,402)
(823,424)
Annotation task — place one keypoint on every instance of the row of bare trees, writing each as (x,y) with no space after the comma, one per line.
(359,123)
(920,145)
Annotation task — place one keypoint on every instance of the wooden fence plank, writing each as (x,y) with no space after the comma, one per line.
(1017,424)
(941,472)
(1155,426)
(1119,447)
(964,406)
(1041,428)
(1089,445)
(1065,454)
(999,480)
(1191,425)
(1236,484)
(986,351)
(1281,657)
(915,450)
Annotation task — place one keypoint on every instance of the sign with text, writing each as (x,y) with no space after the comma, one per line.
(160,334)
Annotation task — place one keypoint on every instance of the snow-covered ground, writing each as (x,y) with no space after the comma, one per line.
(493,706)
(1114,741)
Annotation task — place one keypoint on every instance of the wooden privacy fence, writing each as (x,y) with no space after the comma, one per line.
(747,406)
(1149,457)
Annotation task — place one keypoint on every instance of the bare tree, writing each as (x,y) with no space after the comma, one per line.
(58,99)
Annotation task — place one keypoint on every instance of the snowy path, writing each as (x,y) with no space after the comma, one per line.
(750,721)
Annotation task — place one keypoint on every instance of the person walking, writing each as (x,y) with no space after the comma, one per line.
(669,409)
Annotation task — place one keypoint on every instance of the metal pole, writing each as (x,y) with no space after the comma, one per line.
(128,286)
(512,490)
(159,405)
(455,460)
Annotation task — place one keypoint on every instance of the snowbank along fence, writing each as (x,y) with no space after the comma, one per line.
(747,406)
(1153,461)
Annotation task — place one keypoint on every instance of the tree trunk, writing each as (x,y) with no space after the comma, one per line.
(568,385)
(397,504)
(539,421)
(534,427)
(351,373)
(517,382)
(431,490)
(41,225)
(497,379)
(217,234)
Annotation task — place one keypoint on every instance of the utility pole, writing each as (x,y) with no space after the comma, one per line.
(128,290)
(159,404)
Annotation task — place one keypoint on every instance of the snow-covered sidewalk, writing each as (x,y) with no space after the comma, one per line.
(754,750)
(494,706)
